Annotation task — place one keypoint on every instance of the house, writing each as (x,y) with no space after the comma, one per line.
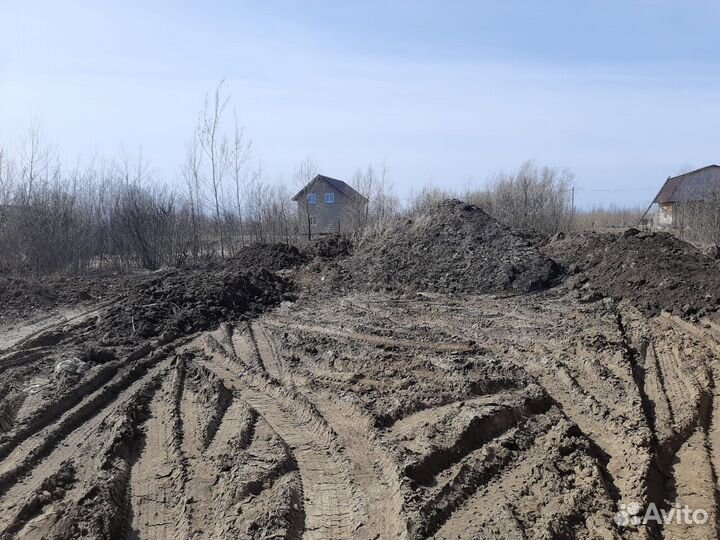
(684,195)
(329,205)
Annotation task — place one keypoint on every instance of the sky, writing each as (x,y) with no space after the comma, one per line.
(447,93)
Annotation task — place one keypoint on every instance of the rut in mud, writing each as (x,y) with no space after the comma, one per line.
(327,420)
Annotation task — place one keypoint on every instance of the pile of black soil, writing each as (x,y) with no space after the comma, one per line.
(331,246)
(450,246)
(175,302)
(655,271)
(23,297)
(271,257)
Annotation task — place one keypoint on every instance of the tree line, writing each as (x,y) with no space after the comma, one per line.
(117,214)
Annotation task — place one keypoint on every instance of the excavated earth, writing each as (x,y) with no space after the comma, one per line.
(653,270)
(452,246)
(232,403)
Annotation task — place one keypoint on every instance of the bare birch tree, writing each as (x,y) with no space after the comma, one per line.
(304,173)
(192,176)
(216,149)
(241,153)
(532,198)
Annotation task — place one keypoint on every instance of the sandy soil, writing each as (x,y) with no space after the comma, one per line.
(370,416)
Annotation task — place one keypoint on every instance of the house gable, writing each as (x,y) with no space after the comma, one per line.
(695,185)
(338,187)
(319,187)
(329,205)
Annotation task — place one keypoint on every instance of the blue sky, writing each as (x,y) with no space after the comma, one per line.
(623,93)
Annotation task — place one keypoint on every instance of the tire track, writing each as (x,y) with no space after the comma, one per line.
(44,417)
(373,469)
(266,351)
(24,448)
(331,503)
(73,436)
(377,474)
(10,406)
(372,338)
(484,490)
(157,475)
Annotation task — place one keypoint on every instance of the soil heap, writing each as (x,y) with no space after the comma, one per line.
(178,302)
(22,297)
(450,246)
(271,257)
(331,246)
(19,294)
(654,271)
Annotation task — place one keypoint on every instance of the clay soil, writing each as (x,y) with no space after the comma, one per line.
(234,402)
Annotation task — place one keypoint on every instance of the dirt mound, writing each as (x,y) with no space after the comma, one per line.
(24,297)
(450,246)
(271,257)
(177,302)
(654,271)
(21,297)
(331,246)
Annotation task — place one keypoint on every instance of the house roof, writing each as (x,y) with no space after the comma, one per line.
(691,186)
(341,186)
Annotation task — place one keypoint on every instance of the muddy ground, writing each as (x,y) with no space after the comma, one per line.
(328,412)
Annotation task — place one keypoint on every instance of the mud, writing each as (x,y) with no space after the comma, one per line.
(23,298)
(331,246)
(256,408)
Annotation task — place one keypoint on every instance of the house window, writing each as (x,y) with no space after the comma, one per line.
(329,198)
(312,198)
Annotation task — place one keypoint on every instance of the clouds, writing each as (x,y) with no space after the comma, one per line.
(442,95)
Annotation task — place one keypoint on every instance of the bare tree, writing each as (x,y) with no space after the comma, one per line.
(380,203)
(34,157)
(364,183)
(304,173)
(697,217)
(532,198)
(241,153)
(38,162)
(7,177)
(607,217)
(429,195)
(192,176)
(216,148)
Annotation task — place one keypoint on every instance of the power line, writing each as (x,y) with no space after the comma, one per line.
(617,189)
(569,190)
